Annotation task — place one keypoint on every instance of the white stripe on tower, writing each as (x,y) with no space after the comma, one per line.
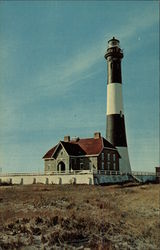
(115,131)
(114,99)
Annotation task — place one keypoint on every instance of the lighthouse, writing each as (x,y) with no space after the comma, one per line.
(115,129)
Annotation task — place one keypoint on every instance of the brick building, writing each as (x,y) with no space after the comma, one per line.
(82,154)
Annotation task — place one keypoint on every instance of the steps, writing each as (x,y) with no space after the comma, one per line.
(135,178)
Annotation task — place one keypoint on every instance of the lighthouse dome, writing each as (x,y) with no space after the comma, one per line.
(113,43)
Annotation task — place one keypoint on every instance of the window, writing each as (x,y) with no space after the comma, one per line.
(90,165)
(81,160)
(102,156)
(102,165)
(114,157)
(81,165)
(108,157)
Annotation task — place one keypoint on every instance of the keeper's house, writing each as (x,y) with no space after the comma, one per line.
(82,154)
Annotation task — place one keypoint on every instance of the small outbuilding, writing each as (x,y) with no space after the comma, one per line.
(82,154)
(158,174)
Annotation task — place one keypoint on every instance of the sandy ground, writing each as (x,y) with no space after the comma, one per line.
(80,217)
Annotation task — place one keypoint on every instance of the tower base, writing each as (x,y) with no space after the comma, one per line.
(124,164)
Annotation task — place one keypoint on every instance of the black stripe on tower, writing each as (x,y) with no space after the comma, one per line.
(114,71)
(113,55)
(116,130)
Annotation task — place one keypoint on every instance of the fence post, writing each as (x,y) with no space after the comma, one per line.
(34,180)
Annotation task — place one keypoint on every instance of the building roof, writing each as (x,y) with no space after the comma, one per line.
(91,146)
(50,152)
(73,148)
(87,146)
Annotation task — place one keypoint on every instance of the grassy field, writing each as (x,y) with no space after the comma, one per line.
(80,217)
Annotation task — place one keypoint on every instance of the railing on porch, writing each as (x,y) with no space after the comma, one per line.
(75,172)
(21,174)
(107,172)
(72,172)
(143,173)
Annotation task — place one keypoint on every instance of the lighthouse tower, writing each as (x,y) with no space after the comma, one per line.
(115,130)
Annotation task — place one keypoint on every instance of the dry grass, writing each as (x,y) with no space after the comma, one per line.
(79,217)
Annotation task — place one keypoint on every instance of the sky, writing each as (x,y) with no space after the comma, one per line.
(53,77)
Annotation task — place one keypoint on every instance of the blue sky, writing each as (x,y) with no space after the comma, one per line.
(53,76)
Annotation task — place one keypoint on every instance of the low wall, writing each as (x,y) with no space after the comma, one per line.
(75,178)
(48,179)
(107,179)
(146,178)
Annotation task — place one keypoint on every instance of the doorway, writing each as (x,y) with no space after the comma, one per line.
(61,167)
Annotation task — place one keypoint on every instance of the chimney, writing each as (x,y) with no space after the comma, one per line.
(97,135)
(67,138)
(75,139)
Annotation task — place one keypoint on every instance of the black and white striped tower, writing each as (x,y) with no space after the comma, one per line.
(115,130)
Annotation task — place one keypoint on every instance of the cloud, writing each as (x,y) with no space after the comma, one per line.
(60,78)
(56,79)
(135,25)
